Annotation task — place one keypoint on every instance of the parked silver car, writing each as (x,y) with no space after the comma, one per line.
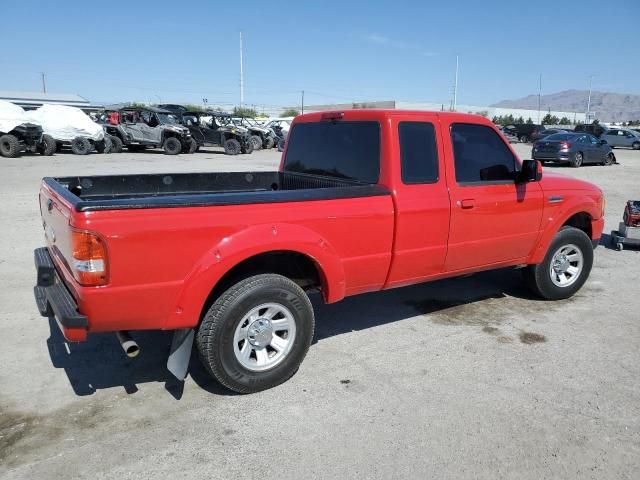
(622,137)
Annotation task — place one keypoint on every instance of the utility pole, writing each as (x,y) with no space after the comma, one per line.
(588,114)
(302,104)
(455,87)
(44,85)
(241,74)
(539,95)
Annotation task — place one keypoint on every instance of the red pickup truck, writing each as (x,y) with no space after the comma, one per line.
(364,200)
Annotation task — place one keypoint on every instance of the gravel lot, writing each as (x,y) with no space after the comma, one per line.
(463,378)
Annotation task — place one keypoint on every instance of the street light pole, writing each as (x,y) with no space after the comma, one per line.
(539,95)
(455,87)
(588,114)
(241,75)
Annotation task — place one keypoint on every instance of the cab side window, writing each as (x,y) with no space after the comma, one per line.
(418,153)
(480,155)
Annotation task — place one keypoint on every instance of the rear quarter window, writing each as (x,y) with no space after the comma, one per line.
(342,149)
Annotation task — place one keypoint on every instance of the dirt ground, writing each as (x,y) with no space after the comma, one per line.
(462,378)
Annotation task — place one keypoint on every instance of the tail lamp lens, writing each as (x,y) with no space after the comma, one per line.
(89,262)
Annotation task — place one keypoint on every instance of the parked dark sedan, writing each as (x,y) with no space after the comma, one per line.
(575,149)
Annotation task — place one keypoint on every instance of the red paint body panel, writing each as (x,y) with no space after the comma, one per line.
(164,262)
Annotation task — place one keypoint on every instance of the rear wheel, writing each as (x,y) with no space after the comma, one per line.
(104,146)
(609,159)
(636,145)
(48,145)
(256,334)
(232,147)
(577,159)
(172,146)
(81,146)
(257,142)
(565,267)
(9,146)
(269,143)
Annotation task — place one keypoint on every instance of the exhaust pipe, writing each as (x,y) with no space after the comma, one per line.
(128,344)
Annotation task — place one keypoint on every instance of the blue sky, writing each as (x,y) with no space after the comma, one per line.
(337,51)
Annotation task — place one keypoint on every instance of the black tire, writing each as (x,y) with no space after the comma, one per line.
(609,159)
(577,160)
(281,145)
(9,146)
(104,146)
(47,146)
(636,145)
(538,277)
(247,147)
(215,337)
(172,146)
(269,143)
(257,142)
(232,147)
(192,146)
(524,139)
(81,146)
(117,144)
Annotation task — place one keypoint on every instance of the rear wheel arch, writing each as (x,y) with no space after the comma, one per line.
(223,263)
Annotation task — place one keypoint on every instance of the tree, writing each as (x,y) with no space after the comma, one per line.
(564,121)
(194,108)
(290,112)
(244,112)
(550,120)
(520,119)
(529,121)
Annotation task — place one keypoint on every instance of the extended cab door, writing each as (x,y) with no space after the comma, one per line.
(422,200)
(493,219)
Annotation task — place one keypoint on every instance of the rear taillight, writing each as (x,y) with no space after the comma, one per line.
(565,145)
(332,115)
(89,263)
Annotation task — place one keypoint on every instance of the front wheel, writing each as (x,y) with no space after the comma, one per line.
(247,147)
(232,147)
(117,144)
(269,143)
(81,146)
(256,334)
(565,267)
(172,146)
(257,142)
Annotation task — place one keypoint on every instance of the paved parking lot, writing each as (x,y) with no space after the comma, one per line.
(463,378)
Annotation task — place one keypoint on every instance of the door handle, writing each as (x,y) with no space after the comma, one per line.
(467,203)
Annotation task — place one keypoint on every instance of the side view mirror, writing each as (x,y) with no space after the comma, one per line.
(603,142)
(531,171)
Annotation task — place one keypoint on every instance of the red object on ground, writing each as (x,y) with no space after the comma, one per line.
(631,216)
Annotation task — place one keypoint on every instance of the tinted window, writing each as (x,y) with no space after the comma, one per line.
(480,154)
(418,154)
(337,149)
(559,136)
(611,132)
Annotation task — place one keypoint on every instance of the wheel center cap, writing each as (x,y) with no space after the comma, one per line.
(561,264)
(260,333)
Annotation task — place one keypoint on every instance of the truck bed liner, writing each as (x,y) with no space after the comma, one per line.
(117,192)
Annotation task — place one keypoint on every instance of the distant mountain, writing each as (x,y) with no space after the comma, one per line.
(608,107)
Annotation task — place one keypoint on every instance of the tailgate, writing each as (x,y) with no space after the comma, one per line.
(56,216)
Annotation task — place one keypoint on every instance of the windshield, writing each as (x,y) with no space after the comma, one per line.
(166,118)
(559,137)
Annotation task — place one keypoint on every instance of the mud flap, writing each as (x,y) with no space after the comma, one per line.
(180,353)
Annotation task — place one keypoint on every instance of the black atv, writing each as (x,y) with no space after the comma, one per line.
(26,137)
(208,130)
(139,128)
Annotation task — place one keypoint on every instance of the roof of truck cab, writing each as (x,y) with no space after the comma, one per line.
(380,114)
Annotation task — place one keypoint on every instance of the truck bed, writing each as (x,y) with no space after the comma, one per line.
(117,192)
